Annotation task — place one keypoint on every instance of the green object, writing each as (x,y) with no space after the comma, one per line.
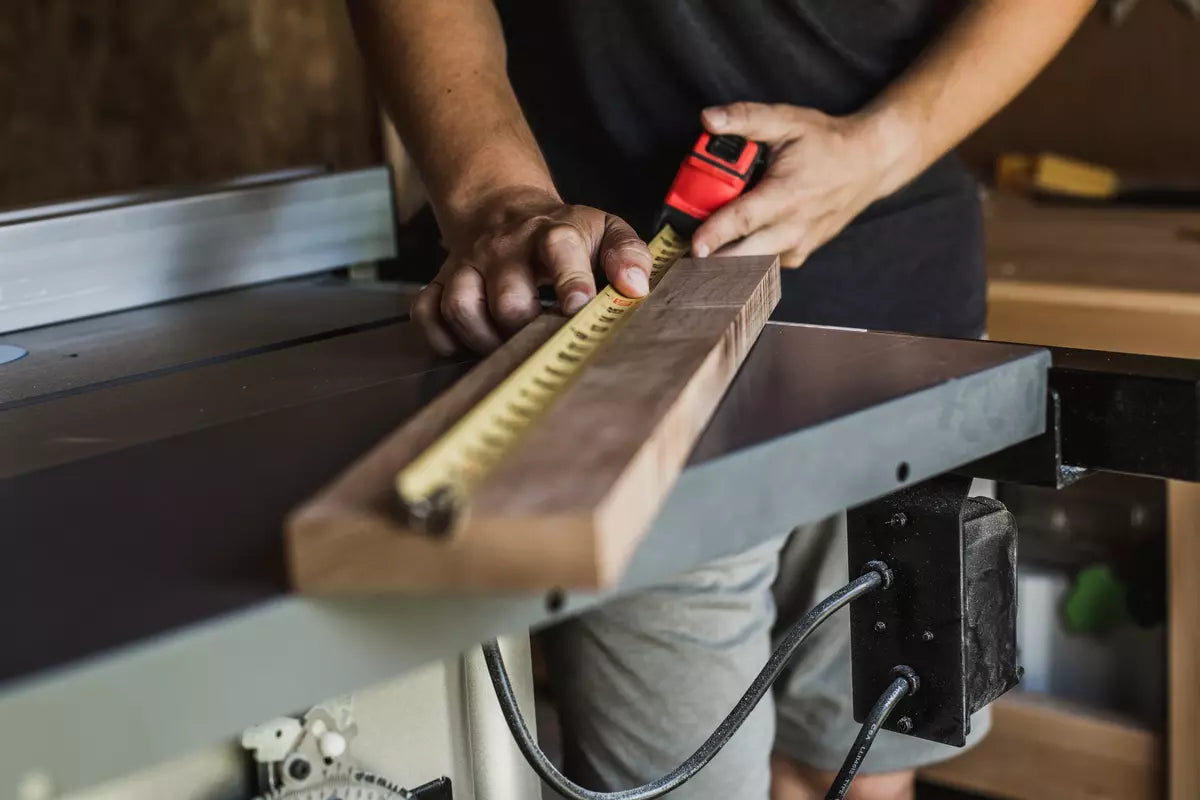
(1096,602)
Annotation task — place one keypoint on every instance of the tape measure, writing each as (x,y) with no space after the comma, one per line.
(435,488)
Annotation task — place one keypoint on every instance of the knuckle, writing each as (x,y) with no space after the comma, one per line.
(513,308)
(424,304)
(560,237)
(739,109)
(740,222)
(628,251)
(532,225)
(571,279)
(498,243)
(457,306)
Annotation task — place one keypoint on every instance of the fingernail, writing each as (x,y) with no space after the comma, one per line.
(573,302)
(637,281)
(716,117)
(701,251)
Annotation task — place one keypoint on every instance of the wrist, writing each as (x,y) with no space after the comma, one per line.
(494,204)
(894,145)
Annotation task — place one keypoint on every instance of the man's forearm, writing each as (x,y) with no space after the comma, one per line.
(983,59)
(440,67)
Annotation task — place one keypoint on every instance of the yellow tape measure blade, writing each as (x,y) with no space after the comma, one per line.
(435,487)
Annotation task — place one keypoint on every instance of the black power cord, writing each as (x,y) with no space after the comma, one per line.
(905,684)
(875,576)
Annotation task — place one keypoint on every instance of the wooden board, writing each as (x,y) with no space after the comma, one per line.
(1038,749)
(1126,281)
(1154,250)
(1124,320)
(1183,644)
(568,505)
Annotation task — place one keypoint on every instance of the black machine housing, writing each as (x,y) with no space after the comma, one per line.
(950,612)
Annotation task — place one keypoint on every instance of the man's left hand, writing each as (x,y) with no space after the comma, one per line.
(823,171)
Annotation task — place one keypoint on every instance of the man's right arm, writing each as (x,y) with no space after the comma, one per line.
(440,68)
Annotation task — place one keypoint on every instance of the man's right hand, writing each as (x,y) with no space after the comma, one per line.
(519,240)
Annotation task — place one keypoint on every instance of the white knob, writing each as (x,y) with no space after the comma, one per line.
(332,744)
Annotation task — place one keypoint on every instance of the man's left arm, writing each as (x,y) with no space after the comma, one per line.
(825,170)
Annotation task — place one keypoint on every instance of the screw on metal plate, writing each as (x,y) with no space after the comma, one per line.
(897,520)
(556,599)
(904,725)
(435,515)
(880,626)
(927,636)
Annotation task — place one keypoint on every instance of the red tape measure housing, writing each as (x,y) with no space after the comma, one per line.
(715,172)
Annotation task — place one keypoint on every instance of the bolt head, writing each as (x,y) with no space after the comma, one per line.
(880,626)
(300,769)
(904,724)
(897,520)
(927,636)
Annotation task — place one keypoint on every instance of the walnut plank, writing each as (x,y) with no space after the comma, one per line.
(568,505)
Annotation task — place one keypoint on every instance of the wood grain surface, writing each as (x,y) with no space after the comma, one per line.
(1116,280)
(105,96)
(1152,250)
(1040,749)
(567,506)
(1183,644)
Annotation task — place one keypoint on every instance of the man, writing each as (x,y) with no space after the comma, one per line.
(539,174)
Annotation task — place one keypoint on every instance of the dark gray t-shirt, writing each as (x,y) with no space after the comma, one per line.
(614,88)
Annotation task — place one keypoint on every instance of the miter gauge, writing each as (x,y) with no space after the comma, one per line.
(308,759)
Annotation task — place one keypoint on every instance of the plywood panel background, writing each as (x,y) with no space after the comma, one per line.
(1126,96)
(106,95)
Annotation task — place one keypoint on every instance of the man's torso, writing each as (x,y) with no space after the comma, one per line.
(613,90)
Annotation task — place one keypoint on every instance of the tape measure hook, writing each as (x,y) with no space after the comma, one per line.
(436,515)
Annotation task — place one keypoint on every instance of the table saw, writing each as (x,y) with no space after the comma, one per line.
(198,363)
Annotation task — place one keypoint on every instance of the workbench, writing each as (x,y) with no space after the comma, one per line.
(148,455)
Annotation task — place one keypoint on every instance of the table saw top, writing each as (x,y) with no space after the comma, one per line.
(147,458)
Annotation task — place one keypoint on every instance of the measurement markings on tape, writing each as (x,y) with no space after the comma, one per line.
(434,488)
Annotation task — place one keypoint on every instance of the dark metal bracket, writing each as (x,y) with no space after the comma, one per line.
(1112,412)
(950,613)
(1034,462)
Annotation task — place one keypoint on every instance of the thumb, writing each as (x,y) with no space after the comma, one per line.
(757,121)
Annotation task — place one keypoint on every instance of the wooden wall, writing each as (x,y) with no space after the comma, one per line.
(1126,96)
(108,95)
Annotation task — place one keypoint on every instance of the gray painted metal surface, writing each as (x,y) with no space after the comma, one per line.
(47,210)
(174,433)
(754,476)
(109,258)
